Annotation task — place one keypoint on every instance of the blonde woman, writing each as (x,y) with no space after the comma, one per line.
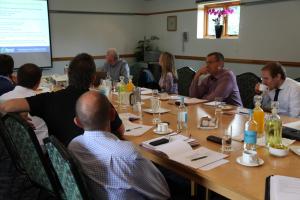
(168,80)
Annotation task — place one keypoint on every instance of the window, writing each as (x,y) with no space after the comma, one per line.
(230,22)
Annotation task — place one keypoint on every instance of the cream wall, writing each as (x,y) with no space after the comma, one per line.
(267,32)
(94,34)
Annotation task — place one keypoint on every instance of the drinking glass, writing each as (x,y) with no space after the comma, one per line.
(155,106)
(227,140)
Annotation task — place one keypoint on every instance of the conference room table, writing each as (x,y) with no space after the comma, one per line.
(231,180)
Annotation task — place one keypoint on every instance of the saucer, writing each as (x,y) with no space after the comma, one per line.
(164,132)
(161,111)
(240,161)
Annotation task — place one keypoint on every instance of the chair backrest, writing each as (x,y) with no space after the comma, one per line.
(68,170)
(8,148)
(185,78)
(135,71)
(21,139)
(147,80)
(155,70)
(246,83)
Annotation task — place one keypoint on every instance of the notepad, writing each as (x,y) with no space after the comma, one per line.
(284,187)
(180,151)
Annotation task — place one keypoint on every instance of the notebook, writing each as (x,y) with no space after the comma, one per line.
(291,130)
(282,187)
(180,151)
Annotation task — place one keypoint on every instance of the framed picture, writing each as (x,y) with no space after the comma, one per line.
(172,23)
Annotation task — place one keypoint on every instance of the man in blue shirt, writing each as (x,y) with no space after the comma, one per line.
(6,70)
(114,169)
(115,67)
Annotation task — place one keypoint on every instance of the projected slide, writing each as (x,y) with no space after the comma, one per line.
(24,31)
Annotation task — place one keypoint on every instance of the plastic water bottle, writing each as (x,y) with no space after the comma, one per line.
(250,133)
(182,118)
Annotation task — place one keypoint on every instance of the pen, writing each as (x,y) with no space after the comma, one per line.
(127,130)
(199,158)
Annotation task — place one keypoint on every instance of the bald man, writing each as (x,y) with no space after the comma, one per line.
(114,66)
(113,168)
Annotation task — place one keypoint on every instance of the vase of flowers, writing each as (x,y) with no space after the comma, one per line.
(220,19)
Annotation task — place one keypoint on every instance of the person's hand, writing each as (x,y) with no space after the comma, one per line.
(257,91)
(25,116)
(202,71)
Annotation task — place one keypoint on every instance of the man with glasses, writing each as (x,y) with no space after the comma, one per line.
(220,82)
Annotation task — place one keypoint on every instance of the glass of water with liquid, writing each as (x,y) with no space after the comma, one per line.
(155,106)
(227,140)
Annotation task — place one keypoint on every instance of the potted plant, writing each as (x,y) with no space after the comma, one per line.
(146,50)
(221,16)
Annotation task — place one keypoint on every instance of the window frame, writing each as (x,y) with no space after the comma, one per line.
(225,24)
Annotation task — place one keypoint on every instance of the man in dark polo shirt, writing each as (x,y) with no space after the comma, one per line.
(58,108)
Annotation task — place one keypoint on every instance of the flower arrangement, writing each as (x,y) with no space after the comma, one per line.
(220,13)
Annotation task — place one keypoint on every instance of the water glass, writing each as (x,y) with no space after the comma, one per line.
(155,106)
(227,140)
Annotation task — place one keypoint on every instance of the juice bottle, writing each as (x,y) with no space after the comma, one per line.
(130,86)
(259,116)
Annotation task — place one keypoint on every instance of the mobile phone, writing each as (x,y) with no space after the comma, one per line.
(159,142)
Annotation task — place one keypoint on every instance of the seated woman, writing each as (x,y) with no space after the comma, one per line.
(169,80)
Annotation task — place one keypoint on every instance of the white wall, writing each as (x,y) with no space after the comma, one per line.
(267,32)
(75,33)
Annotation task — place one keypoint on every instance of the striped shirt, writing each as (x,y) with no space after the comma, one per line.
(115,170)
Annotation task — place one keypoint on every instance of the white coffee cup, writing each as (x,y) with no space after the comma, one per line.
(263,87)
(162,127)
(250,157)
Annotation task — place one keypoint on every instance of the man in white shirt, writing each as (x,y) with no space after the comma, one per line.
(280,88)
(28,80)
(113,168)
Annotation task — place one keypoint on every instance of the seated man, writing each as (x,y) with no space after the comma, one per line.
(220,83)
(280,88)
(115,67)
(58,108)
(113,168)
(28,80)
(6,70)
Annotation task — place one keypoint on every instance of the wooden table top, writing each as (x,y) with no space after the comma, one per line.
(231,180)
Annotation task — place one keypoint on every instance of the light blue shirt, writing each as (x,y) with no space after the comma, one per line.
(115,170)
(120,68)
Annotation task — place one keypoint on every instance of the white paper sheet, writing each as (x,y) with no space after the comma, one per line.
(174,148)
(214,165)
(146,91)
(212,103)
(283,187)
(133,129)
(285,141)
(186,158)
(294,125)
(146,97)
(172,137)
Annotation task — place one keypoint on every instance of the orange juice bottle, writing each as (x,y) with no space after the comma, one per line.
(130,86)
(259,116)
